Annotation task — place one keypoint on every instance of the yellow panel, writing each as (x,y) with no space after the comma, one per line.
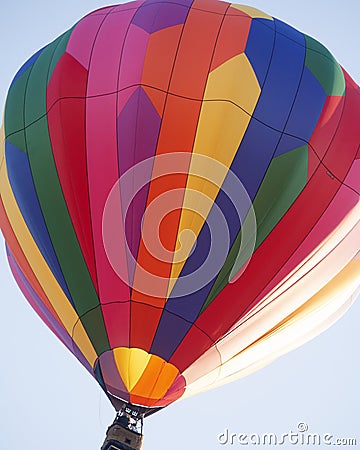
(131,363)
(252,12)
(221,128)
(122,359)
(235,81)
(53,291)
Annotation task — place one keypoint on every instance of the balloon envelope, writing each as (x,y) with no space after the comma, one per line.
(180,193)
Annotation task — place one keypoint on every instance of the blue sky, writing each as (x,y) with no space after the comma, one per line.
(47,396)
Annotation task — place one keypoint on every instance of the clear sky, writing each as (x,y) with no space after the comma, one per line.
(45,394)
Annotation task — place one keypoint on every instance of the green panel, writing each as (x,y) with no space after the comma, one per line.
(57,218)
(14,109)
(18,140)
(94,321)
(285,179)
(35,101)
(283,182)
(324,67)
(60,50)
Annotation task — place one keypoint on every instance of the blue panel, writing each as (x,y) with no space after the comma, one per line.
(24,191)
(259,47)
(170,333)
(283,79)
(290,32)
(189,305)
(25,66)
(254,155)
(288,143)
(307,108)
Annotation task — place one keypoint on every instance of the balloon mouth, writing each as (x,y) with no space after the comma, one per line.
(139,378)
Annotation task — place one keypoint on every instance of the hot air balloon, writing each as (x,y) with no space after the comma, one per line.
(180,189)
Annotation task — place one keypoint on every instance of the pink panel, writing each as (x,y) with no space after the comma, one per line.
(353,177)
(133,57)
(105,58)
(82,38)
(102,161)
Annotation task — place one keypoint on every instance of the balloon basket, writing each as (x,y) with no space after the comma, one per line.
(125,433)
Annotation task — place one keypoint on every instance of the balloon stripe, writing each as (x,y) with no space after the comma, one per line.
(347,136)
(281,86)
(24,192)
(324,131)
(66,120)
(259,47)
(79,47)
(308,106)
(101,133)
(14,111)
(324,67)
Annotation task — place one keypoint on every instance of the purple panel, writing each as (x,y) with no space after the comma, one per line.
(171,330)
(45,315)
(152,17)
(138,130)
(112,377)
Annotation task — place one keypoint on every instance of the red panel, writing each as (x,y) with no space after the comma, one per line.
(144,320)
(66,121)
(194,344)
(324,131)
(103,174)
(345,144)
(213,6)
(117,323)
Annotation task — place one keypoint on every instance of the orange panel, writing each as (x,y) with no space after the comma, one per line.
(195,53)
(157,98)
(160,56)
(226,46)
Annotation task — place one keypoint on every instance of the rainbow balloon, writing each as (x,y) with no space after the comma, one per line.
(180,193)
